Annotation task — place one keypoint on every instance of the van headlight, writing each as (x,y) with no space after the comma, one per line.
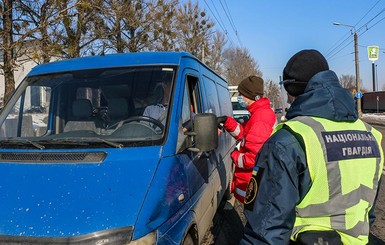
(113,236)
(148,239)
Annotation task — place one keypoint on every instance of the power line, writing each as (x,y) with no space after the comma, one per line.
(337,52)
(216,10)
(334,51)
(367,23)
(340,42)
(219,22)
(228,15)
(368,12)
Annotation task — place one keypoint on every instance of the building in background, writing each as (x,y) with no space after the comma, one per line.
(24,65)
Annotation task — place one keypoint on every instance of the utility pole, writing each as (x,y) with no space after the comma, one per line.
(358,85)
(357,64)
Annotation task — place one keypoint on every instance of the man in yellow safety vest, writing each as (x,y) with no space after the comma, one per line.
(315,180)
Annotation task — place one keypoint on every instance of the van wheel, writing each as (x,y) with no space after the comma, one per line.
(190,239)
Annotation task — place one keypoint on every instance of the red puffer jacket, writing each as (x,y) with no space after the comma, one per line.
(251,134)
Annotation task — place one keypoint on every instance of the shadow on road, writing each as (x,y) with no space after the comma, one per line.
(228,223)
(373,240)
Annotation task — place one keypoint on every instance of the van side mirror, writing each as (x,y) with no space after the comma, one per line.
(205,132)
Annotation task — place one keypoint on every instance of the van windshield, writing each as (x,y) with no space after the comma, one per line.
(114,107)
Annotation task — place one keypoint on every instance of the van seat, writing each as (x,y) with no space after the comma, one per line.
(81,118)
(120,108)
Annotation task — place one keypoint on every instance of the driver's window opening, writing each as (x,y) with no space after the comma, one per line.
(192,83)
(191,104)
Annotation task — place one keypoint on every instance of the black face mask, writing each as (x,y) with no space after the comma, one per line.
(290,99)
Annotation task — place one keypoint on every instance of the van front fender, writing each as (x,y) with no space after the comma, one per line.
(178,231)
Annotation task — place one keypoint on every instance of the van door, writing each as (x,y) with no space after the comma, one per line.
(200,166)
(216,99)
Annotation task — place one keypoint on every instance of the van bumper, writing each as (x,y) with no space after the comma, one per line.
(112,236)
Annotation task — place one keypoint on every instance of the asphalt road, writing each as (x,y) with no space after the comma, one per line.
(378,228)
(227,227)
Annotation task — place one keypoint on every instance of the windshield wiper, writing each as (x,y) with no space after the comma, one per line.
(84,140)
(24,142)
(110,143)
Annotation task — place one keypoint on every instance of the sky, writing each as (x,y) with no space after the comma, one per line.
(274,30)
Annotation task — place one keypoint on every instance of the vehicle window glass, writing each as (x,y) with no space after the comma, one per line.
(212,96)
(225,103)
(28,117)
(237,106)
(186,107)
(93,105)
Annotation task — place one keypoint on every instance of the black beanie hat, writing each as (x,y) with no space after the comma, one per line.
(251,86)
(300,68)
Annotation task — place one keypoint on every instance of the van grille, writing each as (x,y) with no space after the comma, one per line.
(53,157)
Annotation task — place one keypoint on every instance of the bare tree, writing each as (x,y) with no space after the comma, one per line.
(77,19)
(38,30)
(239,64)
(348,82)
(164,25)
(194,29)
(272,91)
(8,48)
(38,25)
(129,25)
(111,24)
(214,58)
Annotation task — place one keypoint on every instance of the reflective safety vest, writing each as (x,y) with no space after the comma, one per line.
(345,162)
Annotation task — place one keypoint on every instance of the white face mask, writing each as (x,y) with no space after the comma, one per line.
(242,102)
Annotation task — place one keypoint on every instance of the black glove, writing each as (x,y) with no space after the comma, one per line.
(188,125)
(220,121)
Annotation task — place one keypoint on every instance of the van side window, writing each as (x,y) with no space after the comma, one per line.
(186,109)
(212,96)
(191,105)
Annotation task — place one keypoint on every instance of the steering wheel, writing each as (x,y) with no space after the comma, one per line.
(138,119)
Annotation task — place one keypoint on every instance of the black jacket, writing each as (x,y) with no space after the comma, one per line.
(285,177)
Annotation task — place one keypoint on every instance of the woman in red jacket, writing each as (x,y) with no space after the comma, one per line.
(251,134)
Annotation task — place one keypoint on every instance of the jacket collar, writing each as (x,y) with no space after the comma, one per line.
(324,97)
(262,103)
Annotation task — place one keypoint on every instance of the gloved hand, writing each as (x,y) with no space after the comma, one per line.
(220,121)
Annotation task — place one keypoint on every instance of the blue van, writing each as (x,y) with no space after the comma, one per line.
(83,161)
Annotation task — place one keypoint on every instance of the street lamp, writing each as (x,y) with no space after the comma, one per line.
(358,87)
